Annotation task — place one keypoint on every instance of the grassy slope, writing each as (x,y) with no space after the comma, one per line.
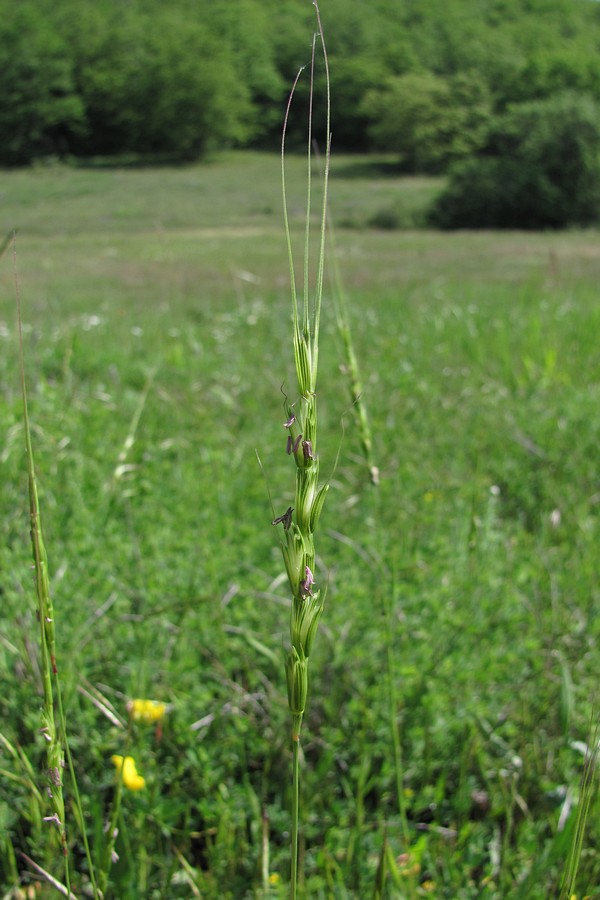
(482,378)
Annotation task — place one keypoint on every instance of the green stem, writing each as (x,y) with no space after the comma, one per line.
(295,804)
(265,852)
(49,668)
(77,796)
(112,828)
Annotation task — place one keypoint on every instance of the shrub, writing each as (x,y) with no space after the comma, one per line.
(539,168)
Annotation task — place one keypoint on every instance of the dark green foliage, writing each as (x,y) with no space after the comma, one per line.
(351,80)
(246,29)
(40,111)
(180,78)
(547,72)
(539,168)
(157,81)
(430,121)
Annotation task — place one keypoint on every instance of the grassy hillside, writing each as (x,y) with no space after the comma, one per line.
(157,334)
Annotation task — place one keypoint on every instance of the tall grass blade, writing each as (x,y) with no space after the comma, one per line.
(62,889)
(53,728)
(352,367)
(587,792)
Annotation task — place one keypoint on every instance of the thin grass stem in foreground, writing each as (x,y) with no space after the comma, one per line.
(54,727)
(586,794)
(300,521)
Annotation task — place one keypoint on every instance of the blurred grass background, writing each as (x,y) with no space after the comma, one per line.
(162,292)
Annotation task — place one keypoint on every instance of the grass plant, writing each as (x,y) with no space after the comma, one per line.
(53,717)
(300,521)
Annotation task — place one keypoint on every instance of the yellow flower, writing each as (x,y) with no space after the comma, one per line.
(146,711)
(128,771)
(274,878)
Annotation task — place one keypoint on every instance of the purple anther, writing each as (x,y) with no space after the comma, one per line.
(305,586)
(285,519)
(297,443)
(290,421)
(307,449)
(289,445)
(54,776)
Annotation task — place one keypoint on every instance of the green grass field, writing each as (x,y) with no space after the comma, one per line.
(157,340)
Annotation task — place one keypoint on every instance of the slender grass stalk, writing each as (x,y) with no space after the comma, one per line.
(352,368)
(48,665)
(265,851)
(60,888)
(587,792)
(54,726)
(112,829)
(295,812)
(300,521)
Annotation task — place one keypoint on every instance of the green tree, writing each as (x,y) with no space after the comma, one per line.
(549,71)
(246,29)
(196,100)
(40,111)
(156,82)
(428,120)
(351,81)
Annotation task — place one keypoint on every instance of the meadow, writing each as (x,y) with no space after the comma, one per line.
(454,677)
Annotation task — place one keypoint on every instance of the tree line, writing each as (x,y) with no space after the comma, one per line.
(426,81)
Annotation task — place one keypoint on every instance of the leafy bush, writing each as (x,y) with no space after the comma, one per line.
(539,168)
(430,121)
